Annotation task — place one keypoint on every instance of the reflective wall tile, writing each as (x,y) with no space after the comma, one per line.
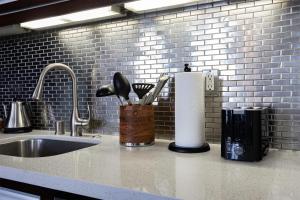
(254,45)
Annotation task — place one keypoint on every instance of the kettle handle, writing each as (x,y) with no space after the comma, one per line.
(5,111)
(28,108)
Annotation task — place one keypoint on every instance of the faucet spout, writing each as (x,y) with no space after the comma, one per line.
(37,94)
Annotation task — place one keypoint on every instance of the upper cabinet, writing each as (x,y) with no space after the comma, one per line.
(19,16)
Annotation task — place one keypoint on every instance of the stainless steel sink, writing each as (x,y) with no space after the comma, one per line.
(41,147)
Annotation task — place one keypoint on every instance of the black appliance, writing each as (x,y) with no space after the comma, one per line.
(245,133)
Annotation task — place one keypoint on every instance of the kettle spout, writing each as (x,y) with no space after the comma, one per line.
(5,111)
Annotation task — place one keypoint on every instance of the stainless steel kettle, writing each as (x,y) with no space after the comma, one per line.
(18,120)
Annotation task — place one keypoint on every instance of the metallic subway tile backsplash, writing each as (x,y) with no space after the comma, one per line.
(255,46)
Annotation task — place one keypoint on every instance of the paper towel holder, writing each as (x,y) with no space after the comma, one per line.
(204,148)
(185,143)
(187,68)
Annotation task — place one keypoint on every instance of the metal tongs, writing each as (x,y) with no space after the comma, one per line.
(149,98)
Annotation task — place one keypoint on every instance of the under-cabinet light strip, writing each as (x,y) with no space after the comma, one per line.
(73,18)
(142,6)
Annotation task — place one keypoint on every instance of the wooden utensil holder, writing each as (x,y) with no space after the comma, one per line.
(137,125)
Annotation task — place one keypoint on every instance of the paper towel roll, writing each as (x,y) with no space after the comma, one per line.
(189,109)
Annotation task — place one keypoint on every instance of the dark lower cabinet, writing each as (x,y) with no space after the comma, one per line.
(37,191)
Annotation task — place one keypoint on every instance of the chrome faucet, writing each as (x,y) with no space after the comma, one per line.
(37,94)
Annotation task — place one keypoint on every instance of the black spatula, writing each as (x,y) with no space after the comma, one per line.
(141,89)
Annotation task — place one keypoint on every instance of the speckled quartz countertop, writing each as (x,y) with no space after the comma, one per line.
(109,171)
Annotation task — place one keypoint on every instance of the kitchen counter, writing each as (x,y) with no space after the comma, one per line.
(110,171)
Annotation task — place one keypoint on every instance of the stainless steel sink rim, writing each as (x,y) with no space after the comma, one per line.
(41,147)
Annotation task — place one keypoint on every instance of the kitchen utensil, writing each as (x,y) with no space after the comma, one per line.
(145,98)
(18,120)
(122,87)
(141,89)
(161,83)
(105,90)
